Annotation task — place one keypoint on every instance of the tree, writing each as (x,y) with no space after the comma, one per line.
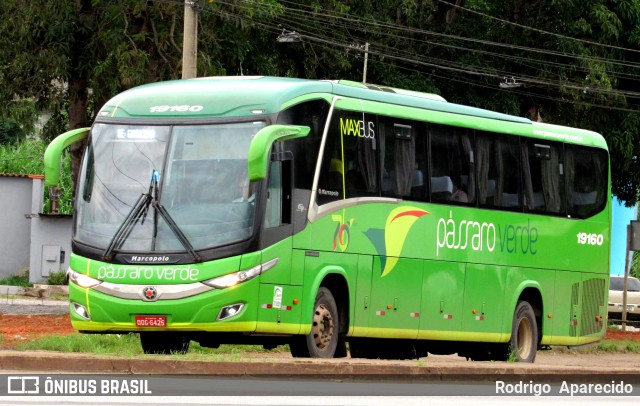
(574,62)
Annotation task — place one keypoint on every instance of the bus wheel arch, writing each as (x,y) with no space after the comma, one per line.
(534,298)
(526,326)
(330,322)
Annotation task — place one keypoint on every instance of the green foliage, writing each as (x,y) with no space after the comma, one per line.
(27,157)
(10,131)
(68,58)
(17,280)
(635,265)
(57,278)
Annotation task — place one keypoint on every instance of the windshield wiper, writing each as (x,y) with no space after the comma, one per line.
(139,213)
(176,230)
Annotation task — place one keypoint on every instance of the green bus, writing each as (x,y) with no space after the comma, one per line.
(335,217)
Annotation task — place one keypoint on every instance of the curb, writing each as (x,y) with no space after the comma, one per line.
(54,362)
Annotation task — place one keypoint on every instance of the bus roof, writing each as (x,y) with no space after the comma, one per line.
(234,96)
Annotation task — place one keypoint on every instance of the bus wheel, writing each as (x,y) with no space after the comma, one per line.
(164,342)
(524,334)
(323,339)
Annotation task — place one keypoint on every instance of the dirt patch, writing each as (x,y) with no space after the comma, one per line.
(620,335)
(18,328)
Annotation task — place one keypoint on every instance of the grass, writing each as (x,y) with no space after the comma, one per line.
(128,345)
(625,346)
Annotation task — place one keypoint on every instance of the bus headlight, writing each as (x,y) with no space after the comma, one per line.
(82,280)
(235,278)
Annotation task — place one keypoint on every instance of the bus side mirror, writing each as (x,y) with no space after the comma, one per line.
(53,153)
(260,147)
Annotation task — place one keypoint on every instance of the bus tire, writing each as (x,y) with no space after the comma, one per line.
(323,339)
(168,342)
(524,334)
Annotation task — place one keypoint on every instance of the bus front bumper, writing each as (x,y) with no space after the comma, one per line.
(95,311)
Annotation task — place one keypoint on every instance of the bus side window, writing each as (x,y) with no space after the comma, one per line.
(278,210)
(452,165)
(349,160)
(586,177)
(498,171)
(542,172)
(312,114)
(403,151)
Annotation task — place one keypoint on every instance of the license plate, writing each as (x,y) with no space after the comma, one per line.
(629,308)
(151,321)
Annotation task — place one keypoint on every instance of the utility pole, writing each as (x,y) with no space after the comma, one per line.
(366,58)
(190,40)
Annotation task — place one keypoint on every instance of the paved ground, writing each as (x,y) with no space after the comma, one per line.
(10,305)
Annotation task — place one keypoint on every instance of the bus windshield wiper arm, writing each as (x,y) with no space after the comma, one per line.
(176,230)
(138,212)
(153,191)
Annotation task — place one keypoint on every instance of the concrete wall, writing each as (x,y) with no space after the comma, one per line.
(29,239)
(16,205)
(50,245)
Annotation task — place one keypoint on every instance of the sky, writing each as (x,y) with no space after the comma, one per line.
(621,218)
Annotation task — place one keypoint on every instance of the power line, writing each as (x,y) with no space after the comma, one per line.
(537,29)
(350,22)
(478,71)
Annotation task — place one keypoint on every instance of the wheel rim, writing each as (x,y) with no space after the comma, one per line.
(322,327)
(525,340)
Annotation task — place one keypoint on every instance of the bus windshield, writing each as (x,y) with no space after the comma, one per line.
(202,181)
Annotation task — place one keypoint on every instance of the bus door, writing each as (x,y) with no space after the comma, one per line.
(278,292)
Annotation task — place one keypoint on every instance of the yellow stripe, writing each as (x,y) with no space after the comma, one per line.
(560,340)
(280,328)
(243,326)
(113,113)
(427,334)
(344,183)
(86,291)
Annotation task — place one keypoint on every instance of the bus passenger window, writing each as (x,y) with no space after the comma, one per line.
(542,172)
(452,165)
(403,151)
(586,175)
(498,171)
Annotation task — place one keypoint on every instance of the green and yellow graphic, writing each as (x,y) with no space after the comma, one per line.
(390,241)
